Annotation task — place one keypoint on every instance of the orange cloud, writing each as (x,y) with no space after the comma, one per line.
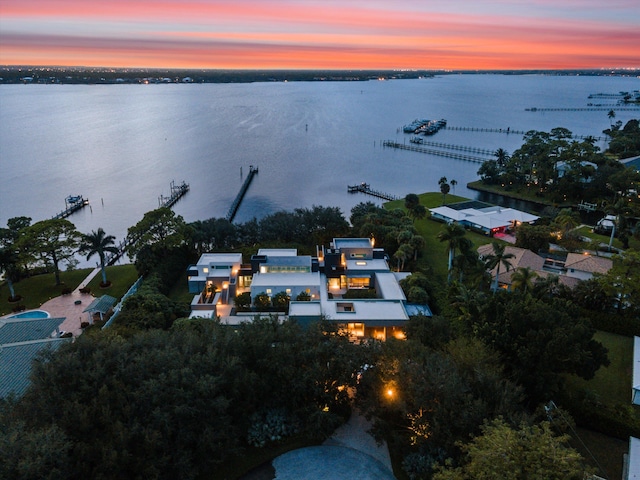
(300,34)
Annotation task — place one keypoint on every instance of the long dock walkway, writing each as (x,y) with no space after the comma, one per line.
(509,130)
(177,192)
(365,188)
(243,190)
(430,151)
(72,204)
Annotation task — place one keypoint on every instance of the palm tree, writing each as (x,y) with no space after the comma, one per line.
(453,184)
(444,188)
(502,157)
(98,243)
(611,115)
(454,234)
(522,279)
(404,253)
(497,258)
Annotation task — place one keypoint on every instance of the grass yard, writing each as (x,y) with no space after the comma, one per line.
(611,385)
(121,278)
(587,232)
(435,253)
(38,289)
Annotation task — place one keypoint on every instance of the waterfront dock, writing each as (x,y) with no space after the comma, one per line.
(177,192)
(72,204)
(243,190)
(430,151)
(366,189)
(509,130)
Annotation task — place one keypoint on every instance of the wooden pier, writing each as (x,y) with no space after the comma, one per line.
(365,188)
(521,132)
(440,153)
(460,148)
(177,191)
(72,204)
(582,109)
(243,190)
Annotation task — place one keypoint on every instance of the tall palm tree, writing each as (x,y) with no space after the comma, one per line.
(502,157)
(522,279)
(454,234)
(611,115)
(444,188)
(453,184)
(98,243)
(497,258)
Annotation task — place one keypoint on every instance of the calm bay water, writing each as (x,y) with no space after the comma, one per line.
(121,145)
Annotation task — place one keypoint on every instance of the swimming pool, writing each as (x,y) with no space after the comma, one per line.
(30,314)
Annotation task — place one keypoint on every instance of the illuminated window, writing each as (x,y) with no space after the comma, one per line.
(268,291)
(288,290)
(361,263)
(205,270)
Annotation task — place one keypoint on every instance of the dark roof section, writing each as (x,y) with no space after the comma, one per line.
(16,360)
(14,330)
(101,304)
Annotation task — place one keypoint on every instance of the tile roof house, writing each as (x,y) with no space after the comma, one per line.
(584,267)
(21,339)
(577,267)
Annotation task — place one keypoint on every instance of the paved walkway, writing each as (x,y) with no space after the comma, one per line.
(65,306)
(350,453)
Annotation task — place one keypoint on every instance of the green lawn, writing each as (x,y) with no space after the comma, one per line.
(435,253)
(121,278)
(611,385)
(587,232)
(38,289)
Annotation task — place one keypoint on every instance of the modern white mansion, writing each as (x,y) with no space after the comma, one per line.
(349,264)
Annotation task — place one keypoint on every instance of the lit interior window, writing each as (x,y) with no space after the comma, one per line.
(361,263)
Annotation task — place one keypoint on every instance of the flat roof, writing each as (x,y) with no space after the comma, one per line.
(388,287)
(352,243)
(224,258)
(371,264)
(278,252)
(289,261)
(286,279)
(634,458)
(487,217)
(305,309)
(366,310)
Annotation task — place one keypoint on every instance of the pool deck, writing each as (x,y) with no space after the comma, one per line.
(65,306)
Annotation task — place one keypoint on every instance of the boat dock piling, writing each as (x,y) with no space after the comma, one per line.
(72,204)
(364,188)
(243,190)
(441,153)
(177,191)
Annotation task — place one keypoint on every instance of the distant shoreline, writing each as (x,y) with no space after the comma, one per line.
(51,75)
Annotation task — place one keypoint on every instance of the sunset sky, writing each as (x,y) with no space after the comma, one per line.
(322,34)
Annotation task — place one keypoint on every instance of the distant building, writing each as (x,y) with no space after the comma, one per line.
(349,283)
(487,219)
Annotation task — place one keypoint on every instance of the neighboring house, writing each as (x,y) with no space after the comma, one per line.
(21,339)
(583,267)
(583,170)
(575,268)
(631,466)
(329,279)
(489,220)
